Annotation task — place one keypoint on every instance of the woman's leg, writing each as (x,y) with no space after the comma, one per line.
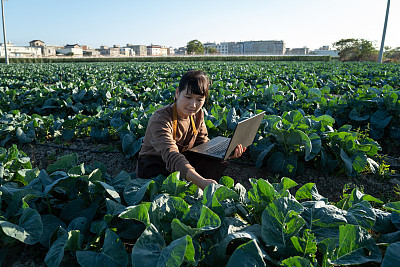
(150,167)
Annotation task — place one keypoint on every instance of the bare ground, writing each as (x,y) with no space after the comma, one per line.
(328,185)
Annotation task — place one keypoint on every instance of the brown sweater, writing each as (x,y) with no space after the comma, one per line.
(158,140)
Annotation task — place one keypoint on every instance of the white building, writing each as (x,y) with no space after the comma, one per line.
(126,52)
(222,48)
(325,51)
(154,50)
(20,51)
(71,50)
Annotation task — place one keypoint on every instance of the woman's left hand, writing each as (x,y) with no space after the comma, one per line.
(239,150)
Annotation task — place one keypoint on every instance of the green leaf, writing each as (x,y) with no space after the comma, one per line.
(393,206)
(297,261)
(309,191)
(173,186)
(280,221)
(362,214)
(356,246)
(63,163)
(392,255)
(29,229)
(113,253)
(281,164)
(262,155)
(248,254)
(227,181)
(323,220)
(111,191)
(148,248)
(50,224)
(56,252)
(139,213)
(178,252)
(305,246)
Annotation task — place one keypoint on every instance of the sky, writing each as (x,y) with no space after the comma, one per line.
(173,23)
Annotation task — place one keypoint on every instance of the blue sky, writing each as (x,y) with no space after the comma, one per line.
(311,23)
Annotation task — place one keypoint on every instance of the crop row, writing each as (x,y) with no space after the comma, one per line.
(327,115)
(100,220)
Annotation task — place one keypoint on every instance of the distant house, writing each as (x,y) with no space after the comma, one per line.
(154,50)
(20,51)
(139,50)
(109,51)
(181,50)
(47,51)
(297,51)
(36,43)
(71,50)
(325,51)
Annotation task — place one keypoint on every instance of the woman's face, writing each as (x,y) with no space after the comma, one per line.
(188,104)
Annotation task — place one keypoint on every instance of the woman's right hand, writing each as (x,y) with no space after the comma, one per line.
(197,179)
(203,183)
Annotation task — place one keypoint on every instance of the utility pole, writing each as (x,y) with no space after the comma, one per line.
(4,33)
(384,32)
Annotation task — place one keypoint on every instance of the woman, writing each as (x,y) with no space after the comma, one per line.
(176,128)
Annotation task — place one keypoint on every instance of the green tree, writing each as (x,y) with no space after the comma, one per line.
(356,50)
(392,54)
(210,50)
(195,47)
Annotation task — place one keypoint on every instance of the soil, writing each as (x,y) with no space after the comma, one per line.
(109,154)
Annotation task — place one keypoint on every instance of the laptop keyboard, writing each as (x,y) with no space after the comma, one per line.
(219,148)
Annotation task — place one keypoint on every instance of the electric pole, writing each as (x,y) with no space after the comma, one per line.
(4,33)
(384,32)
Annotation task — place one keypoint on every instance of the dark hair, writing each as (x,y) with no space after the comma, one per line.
(196,82)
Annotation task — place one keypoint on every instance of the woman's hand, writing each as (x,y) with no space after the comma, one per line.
(239,150)
(203,183)
(197,179)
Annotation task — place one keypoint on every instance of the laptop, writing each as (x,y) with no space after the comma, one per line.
(223,147)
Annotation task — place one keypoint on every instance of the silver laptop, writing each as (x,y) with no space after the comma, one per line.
(223,147)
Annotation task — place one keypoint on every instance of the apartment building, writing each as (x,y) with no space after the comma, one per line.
(249,48)
(109,51)
(139,50)
(154,50)
(297,51)
(264,47)
(20,51)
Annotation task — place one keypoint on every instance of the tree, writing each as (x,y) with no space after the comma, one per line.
(210,50)
(392,54)
(356,50)
(195,47)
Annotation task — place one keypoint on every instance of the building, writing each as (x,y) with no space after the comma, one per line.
(170,51)
(222,48)
(36,43)
(325,51)
(20,51)
(138,50)
(264,47)
(236,48)
(70,50)
(109,51)
(126,52)
(154,50)
(297,51)
(47,51)
(181,50)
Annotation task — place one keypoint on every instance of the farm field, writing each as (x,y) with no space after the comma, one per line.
(70,134)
